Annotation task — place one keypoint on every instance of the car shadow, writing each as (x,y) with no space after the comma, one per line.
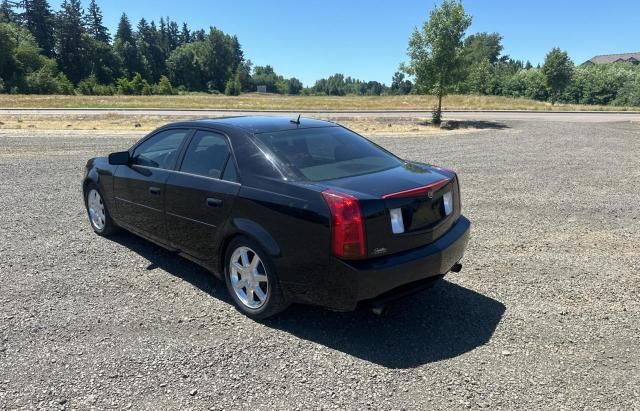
(475,124)
(172,263)
(440,323)
(437,324)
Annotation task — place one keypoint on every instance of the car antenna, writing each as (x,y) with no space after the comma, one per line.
(296,121)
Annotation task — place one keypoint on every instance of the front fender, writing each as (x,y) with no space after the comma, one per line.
(100,172)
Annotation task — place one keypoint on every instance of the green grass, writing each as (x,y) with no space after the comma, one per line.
(278,102)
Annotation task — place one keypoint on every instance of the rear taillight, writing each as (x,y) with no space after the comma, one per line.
(347,227)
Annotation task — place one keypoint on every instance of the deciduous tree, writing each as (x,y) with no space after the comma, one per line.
(435,50)
(557,69)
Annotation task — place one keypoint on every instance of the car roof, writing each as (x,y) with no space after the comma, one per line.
(262,124)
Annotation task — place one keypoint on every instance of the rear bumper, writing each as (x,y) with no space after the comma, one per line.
(349,283)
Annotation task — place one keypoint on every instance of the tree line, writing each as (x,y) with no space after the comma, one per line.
(442,59)
(71,51)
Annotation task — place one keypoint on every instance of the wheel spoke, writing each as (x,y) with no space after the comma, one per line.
(260,278)
(245,258)
(254,262)
(250,300)
(261,294)
(239,268)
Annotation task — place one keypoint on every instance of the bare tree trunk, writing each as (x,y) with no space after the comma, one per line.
(437,116)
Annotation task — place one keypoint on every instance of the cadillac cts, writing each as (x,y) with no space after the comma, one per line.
(284,211)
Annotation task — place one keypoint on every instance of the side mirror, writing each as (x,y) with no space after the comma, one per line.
(120,159)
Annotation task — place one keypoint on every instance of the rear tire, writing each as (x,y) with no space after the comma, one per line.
(252,280)
(97,210)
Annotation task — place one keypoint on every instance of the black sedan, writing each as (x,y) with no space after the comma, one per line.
(284,211)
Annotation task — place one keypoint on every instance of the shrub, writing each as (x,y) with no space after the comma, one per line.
(43,80)
(629,93)
(232,88)
(87,87)
(123,86)
(65,86)
(140,86)
(164,87)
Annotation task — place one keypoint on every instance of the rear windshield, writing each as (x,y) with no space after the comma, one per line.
(327,153)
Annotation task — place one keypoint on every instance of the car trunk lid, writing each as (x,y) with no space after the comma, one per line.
(403,208)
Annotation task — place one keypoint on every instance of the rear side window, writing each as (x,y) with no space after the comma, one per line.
(160,150)
(327,153)
(206,155)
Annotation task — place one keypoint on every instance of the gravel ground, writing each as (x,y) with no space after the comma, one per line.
(544,315)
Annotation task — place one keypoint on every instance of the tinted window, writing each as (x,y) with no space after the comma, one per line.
(230,171)
(206,155)
(161,150)
(327,153)
(251,160)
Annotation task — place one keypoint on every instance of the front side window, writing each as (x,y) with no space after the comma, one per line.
(161,150)
(327,153)
(206,155)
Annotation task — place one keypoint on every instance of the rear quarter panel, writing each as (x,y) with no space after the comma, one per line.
(297,219)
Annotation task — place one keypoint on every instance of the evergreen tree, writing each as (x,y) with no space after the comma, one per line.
(94,25)
(198,35)
(163,38)
(70,40)
(173,35)
(151,53)
(7,14)
(185,34)
(101,60)
(125,47)
(39,20)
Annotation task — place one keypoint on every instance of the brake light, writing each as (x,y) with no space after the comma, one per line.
(347,227)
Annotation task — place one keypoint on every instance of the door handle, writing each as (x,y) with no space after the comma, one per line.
(214,202)
(154,190)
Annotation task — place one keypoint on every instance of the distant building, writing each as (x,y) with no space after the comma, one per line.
(262,89)
(614,58)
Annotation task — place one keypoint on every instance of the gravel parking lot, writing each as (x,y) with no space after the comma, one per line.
(544,315)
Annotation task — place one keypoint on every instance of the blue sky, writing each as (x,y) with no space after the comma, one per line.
(310,39)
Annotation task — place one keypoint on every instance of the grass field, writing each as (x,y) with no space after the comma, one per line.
(279,102)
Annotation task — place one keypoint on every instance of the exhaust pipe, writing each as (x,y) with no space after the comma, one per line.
(457,267)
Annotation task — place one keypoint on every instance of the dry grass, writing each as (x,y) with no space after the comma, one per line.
(85,122)
(143,123)
(293,103)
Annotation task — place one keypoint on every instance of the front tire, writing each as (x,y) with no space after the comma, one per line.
(252,281)
(99,216)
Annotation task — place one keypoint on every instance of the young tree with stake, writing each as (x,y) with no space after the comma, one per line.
(435,51)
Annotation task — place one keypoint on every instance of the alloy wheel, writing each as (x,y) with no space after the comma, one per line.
(97,212)
(249,278)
